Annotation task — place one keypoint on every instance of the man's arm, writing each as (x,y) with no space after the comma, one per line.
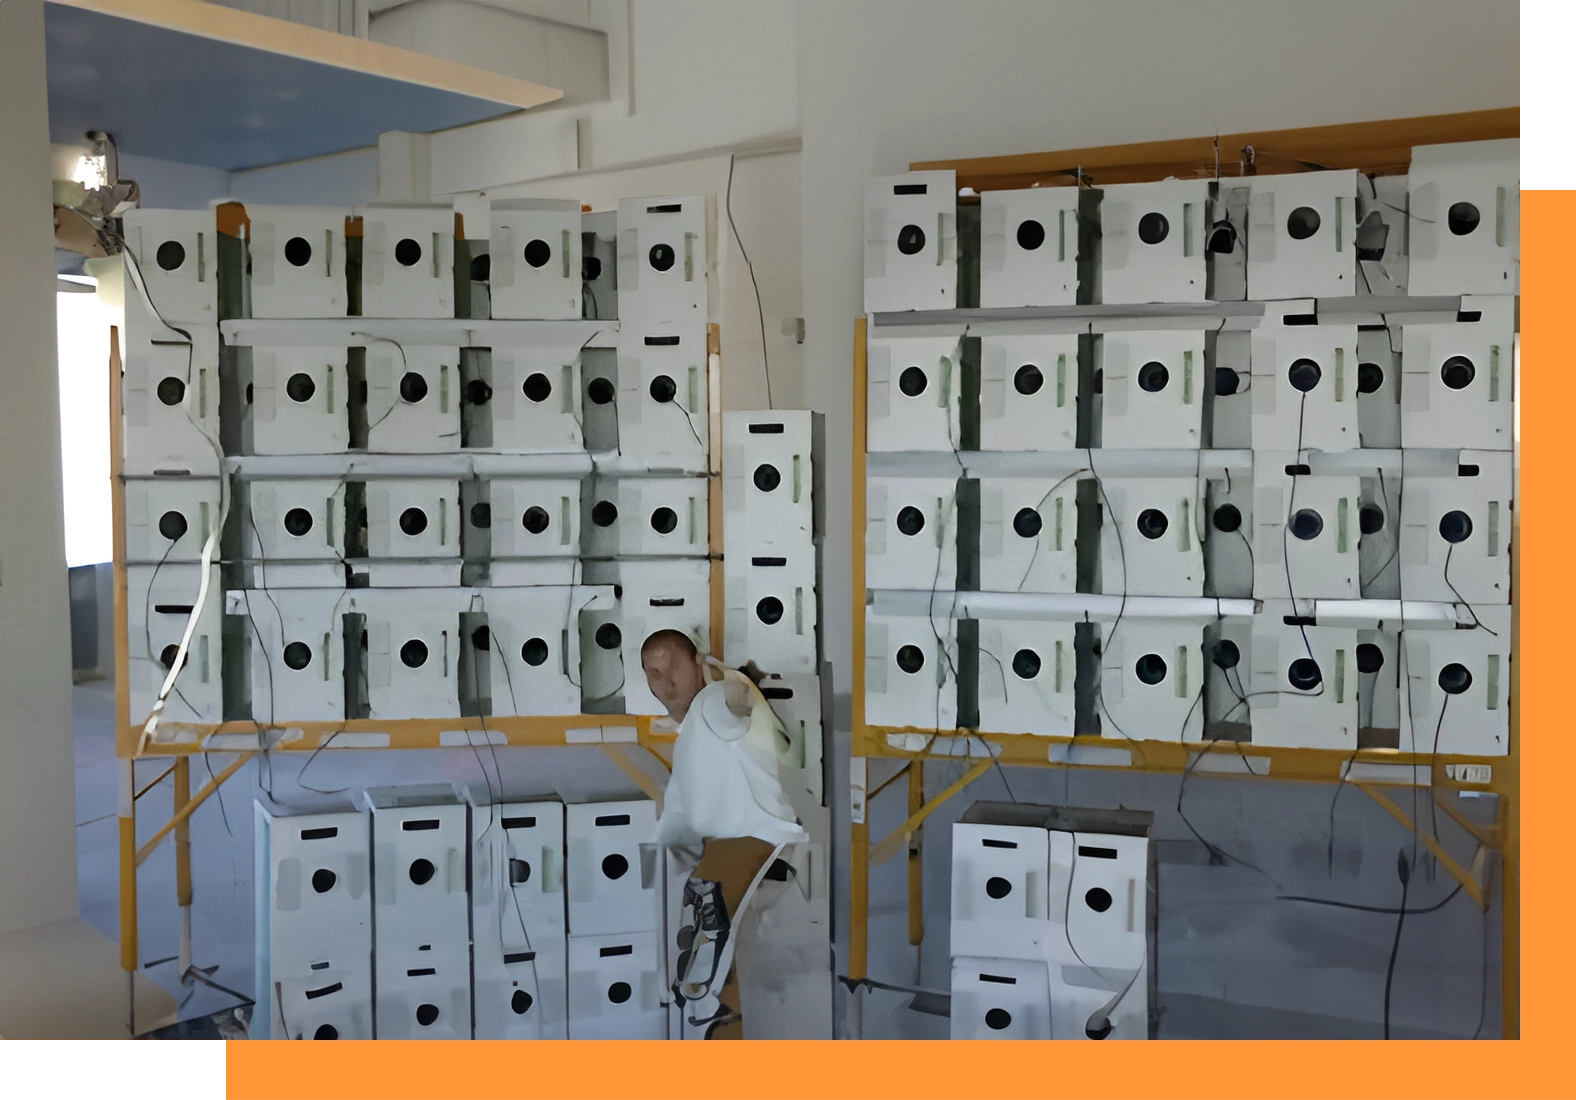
(726,713)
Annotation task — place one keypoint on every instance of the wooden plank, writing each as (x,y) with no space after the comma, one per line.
(1382,147)
(260,32)
(126,736)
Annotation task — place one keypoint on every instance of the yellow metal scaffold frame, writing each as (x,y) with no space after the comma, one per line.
(1379,147)
(654,734)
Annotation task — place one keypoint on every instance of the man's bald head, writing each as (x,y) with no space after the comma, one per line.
(673,670)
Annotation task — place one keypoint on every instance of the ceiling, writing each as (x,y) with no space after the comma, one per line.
(193,99)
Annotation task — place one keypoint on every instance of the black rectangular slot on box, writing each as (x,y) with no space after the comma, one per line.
(613,819)
(1299,620)
(173,608)
(1467,316)
(668,601)
(999,843)
(666,208)
(421,972)
(1096,853)
(911,189)
(766,429)
(319,966)
(662,341)
(1300,319)
(519,823)
(777,693)
(314,994)
(519,957)
(609,952)
(1467,469)
(1299,469)
(998,979)
(320,834)
(769,562)
(425,825)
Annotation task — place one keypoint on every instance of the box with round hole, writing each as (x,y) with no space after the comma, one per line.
(798,702)
(532,644)
(168,519)
(1028,534)
(413,398)
(296,639)
(1228,398)
(534,517)
(407,261)
(911,242)
(1457,697)
(1149,536)
(667,259)
(911,675)
(299,400)
(519,946)
(1000,998)
(1305,381)
(772,610)
(313,968)
(616,987)
(1379,535)
(1456,526)
(1028,392)
(413,518)
(1079,995)
(1379,684)
(1458,389)
(1152,242)
(534,399)
(535,266)
(613,877)
(296,261)
(1152,388)
(1026,672)
(1001,890)
(771,478)
(1379,378)
(412,649)
(1465,222)
(169,396)
(914,393)
(421,913)
(1228,531)
(662,401)
(159,603)
(1300,241)
(645,517)
(1382,235)
(1306,528)
(1106,908)
(1228,671)
(294,521)
(1304,681)
(1029,247)
(177,254)
(1152,679)
(911,532)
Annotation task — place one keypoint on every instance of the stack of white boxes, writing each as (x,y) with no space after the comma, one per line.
(463,909)
(1053,918)
(170,393)
(617,986)
(1155,411)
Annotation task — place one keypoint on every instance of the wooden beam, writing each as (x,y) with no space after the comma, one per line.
(1383,147)
(260,32)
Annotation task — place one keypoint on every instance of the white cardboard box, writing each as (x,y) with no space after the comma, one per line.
(413,398)
(1466,218)
(1304,682)
(534,250)
(1151,679)
(911,242)
(667,259)
(1152,394)
(169,519)
(1458,688)
(1026,677)
(1306,530)
(300,401)
(614,886)
(1028,393)
(616,986)
(159,601)
(911,532)
(914,390)
(1456,531)
(910,676)
(1028,534)
(1304,382)
(1029,247)
(1149,544)
(1152,241)
(1459,384)
(177,253)
(296,261)
(1300,236)
(995,998)
(407,261)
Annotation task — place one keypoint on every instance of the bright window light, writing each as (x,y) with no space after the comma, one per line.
(91,172)
(82,328)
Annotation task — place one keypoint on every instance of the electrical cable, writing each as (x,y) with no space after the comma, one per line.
(760,312)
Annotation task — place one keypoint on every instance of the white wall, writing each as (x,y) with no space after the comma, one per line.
(37,795)
(886,82)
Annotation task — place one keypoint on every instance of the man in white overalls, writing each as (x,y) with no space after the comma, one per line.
(724,800)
